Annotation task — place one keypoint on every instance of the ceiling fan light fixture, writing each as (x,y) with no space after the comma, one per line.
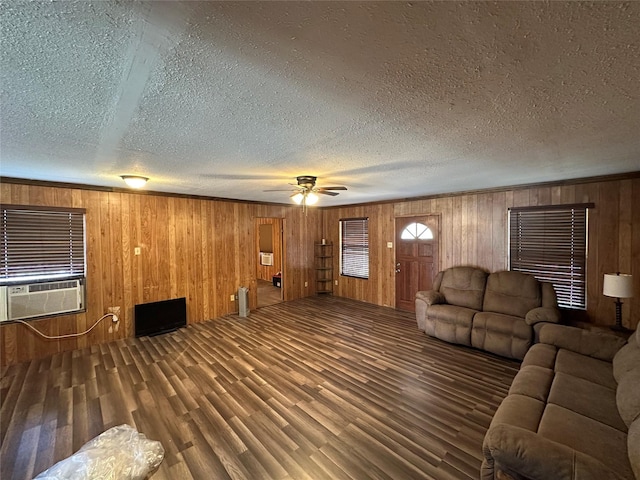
(297,198)
(311,199)
(134,181)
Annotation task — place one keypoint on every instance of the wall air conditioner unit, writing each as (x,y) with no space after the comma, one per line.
(3,303)
(266,258)
(40,299)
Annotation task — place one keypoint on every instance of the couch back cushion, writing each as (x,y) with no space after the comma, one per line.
(512,293)
(628,357)
(627,372)
(633,447)
(464,286)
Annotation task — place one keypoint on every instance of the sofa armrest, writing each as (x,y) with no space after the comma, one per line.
(430,297)
(599,345)
(523,453)
(543,314)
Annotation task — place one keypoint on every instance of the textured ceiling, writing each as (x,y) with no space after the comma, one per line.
(391,99)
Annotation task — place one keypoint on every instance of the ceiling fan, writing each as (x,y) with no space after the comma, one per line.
(305,191)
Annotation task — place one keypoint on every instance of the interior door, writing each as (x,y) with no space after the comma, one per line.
(416,257)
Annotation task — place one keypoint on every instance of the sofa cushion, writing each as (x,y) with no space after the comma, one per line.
(504,335)
(541,355)
(586,435)
(627,358)
(449,323)
(515,453)
(532,381)
(464,286)
(628,396)
(519,411)
(583,366)
(633,446)
(586,398)
(511,293)
(600,345)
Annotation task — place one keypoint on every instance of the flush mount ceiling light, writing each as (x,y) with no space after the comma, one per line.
(134,181)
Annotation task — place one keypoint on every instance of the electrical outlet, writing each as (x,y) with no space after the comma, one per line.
(306,284)
(389,244)
(336,282)
(115,311)
(137,251)
(232,297)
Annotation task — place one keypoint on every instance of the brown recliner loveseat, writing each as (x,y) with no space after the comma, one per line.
(494,312)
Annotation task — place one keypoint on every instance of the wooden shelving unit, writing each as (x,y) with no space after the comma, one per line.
(324,267)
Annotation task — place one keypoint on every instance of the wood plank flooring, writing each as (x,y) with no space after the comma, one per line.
(319,388)
(268,294)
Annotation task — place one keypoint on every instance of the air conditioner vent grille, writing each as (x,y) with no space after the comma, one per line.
(43,287)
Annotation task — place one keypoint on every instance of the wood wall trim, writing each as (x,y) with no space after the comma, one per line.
(97,188)
(556,183)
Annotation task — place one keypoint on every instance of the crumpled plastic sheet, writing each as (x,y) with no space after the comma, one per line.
(120,453)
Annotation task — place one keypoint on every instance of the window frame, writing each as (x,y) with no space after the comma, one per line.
(76,263)
(357,249)
(570,242)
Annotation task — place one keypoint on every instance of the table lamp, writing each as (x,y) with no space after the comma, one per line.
(618,285)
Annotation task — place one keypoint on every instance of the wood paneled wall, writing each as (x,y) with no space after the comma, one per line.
(474,232)
(197,248)
(266,272)
(205,249)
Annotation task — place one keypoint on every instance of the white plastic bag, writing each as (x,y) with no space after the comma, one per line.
(120,453)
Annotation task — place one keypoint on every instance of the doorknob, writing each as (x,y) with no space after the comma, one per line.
(398,264)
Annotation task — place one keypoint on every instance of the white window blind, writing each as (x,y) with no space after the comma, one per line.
(354,247)
(550,243)
(41,243)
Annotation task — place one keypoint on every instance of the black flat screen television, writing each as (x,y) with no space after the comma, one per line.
(160,317)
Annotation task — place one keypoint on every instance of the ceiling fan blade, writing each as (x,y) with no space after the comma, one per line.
(332,188)
(333,194)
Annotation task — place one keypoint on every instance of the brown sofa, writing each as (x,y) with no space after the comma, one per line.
(494,312)
(573,411)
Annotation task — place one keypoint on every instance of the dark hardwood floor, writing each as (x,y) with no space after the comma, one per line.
(268,294)
(319,388)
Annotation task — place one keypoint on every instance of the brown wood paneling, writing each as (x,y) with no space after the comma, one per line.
(474,232)
(192,247)
(204,250)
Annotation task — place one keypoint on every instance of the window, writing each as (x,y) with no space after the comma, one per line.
(550,243)
(417,231)
(354,247)
(41,244)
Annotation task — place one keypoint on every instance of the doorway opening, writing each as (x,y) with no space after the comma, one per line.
(269,263)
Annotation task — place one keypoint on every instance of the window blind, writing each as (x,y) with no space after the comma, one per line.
(41,243)
(354,247)
(550,243)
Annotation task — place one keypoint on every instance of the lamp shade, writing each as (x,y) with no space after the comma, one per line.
(618,285)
